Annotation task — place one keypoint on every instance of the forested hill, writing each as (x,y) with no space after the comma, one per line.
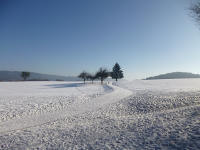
(175,75)
(16,76)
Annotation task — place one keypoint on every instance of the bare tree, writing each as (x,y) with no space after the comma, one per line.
(102,74)
(83,75)
(92,77)
(196,11)
(25,75)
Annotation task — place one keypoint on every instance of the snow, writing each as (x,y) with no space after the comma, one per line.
(19,99)
(159,114)
(165,85)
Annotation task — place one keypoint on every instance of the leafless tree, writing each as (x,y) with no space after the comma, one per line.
(25,75)
(195,9)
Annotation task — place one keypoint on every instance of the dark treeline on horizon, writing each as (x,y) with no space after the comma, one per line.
(102,74)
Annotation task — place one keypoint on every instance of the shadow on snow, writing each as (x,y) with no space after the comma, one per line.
(66,85)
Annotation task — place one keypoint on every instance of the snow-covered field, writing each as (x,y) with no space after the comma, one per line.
(160,114)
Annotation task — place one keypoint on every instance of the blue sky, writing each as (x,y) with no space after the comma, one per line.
(64,37)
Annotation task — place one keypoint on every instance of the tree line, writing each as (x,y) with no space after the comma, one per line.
(102,74)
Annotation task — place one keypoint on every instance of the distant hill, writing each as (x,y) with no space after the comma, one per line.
(175,75)
(16,76)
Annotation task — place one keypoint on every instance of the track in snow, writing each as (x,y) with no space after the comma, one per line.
(155,117)
(40,119)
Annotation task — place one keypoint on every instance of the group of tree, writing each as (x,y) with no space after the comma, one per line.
(102,74)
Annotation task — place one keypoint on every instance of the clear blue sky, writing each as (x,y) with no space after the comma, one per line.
(64,37)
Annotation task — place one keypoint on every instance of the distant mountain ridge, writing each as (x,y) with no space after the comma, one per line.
(16,76)
(175,75)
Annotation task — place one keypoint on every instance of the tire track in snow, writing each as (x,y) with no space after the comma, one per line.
(36,120)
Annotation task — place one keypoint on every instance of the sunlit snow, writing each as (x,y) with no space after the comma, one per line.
(160,114)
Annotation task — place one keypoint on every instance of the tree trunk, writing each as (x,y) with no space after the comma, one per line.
(101,81)
(116,79)
(84,81)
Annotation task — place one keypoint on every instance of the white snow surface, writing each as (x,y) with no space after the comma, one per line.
(165,85)
(156,114)
(19,99)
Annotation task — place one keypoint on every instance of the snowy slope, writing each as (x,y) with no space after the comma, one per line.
(161,114)
(50,109)
(165,85)
(30,98)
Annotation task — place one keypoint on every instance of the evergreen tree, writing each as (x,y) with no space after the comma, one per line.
(117,73)
(25,75)
(102,74)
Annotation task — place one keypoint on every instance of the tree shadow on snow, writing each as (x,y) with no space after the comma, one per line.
(66,85)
